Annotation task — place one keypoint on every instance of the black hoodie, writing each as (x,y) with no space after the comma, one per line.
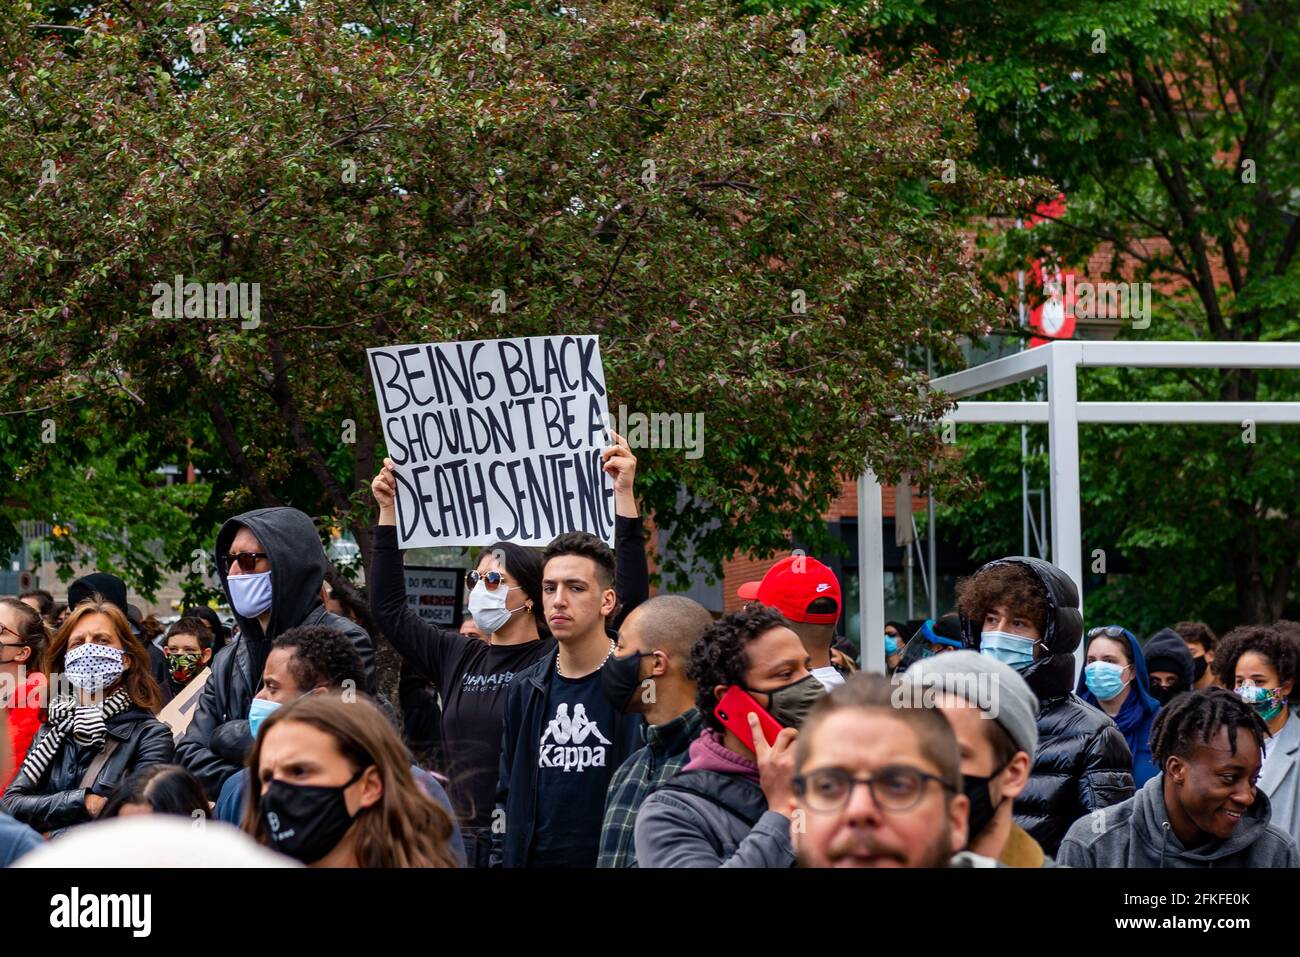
(298,563)
(1082,762)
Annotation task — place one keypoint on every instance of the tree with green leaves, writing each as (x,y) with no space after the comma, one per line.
(1170,127)
(752,215)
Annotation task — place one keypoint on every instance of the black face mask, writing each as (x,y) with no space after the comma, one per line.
(306,821)
(982,808)
(1165,694)
(620,677)
(1198,668)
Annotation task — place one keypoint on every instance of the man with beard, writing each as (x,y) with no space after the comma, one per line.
(994,715)
(877,785)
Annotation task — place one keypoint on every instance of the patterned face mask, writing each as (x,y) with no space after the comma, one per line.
(1267,702)
(184,665)
(93,667)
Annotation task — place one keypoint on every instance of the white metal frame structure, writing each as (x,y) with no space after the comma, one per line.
(1060,362)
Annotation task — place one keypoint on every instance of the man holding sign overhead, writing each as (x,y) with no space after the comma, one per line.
(505,587)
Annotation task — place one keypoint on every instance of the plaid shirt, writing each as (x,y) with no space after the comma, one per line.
(663,756)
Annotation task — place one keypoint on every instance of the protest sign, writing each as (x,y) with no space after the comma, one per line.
(435,593)
(499,439)
(180,710)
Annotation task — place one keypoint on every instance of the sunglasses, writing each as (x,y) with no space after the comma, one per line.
(247,560)
(491,579)
(1108,631)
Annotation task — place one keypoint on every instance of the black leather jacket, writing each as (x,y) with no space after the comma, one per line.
(297,569)
(1082,762)
(58,800)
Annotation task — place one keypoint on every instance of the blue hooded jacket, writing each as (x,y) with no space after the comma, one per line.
(1136,714)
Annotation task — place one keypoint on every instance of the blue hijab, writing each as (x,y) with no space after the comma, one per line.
(1136,714)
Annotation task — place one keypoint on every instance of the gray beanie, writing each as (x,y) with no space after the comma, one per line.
(989,685)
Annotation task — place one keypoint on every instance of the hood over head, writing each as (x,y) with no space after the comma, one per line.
(290,539)
(1166,651)
(1052,674)
(1141,676)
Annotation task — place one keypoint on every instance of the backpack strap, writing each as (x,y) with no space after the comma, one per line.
(101,759)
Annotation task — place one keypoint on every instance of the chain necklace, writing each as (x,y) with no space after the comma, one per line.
(612,645)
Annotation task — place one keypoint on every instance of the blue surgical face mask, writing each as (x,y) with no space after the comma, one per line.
(257,712)
(1104,679)
(891,645)
(1007,648)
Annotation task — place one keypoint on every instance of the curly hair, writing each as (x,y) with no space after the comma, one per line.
(1282,651)
(1195,717)
(1010,585)
(1197,633)
(321,656)
(719,657)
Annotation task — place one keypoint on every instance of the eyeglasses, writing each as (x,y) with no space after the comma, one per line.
(894,788)
(6,628)
(1107,631)
(247,560)
(491,579)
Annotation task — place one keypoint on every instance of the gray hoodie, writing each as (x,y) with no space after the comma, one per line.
(1137,833)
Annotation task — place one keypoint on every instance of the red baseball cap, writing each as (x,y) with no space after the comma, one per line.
(794,583)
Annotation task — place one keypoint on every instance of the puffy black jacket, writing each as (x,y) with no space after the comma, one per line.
(58,800)
(1082,762)
(297,570)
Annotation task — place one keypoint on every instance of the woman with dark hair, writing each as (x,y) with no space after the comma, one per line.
(158,789)
(23,637)
(505,599)
(1259,663)
(333,788)
(91,739)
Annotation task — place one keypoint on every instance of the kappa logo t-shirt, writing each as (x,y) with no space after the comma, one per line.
(575,758)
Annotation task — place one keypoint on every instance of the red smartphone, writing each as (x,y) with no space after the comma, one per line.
(734,709)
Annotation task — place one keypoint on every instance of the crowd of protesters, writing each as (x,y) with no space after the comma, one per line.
(574,721)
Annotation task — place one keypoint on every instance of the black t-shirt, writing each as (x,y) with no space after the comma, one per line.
(575,761)
(473,685)
(472,675)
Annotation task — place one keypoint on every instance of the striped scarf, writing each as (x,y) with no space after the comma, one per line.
(85,723)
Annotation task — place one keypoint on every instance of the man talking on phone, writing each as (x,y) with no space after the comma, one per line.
(730,805)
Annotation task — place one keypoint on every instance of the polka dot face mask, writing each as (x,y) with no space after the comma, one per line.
(93,667)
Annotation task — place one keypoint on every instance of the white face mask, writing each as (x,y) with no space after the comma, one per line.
(488,607)
(93,667)
(250,595)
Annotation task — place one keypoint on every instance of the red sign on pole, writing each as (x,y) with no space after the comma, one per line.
(1054,316)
